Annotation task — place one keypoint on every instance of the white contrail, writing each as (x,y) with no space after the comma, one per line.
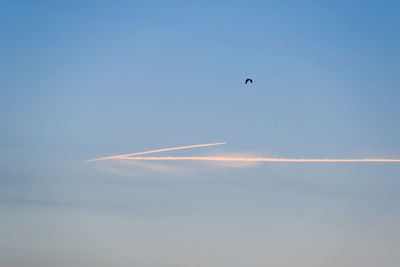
(259,159)
(123,156)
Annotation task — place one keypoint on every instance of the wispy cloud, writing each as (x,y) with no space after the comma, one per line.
(142,168)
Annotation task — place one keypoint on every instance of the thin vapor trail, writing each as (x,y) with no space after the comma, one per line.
(123,156)
(259,159)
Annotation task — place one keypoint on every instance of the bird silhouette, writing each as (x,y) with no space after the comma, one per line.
(249,80)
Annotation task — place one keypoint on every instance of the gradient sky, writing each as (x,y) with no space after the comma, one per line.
(88,79)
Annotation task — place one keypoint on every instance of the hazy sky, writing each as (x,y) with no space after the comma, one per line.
(87,79)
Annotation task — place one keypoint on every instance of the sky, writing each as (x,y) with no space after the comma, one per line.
(82,80)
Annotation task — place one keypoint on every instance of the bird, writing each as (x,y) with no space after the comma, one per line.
(249,80)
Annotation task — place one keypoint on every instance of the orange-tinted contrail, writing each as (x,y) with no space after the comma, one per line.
(260,159)
(155,151)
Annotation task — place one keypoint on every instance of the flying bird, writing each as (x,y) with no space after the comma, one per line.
(249,80)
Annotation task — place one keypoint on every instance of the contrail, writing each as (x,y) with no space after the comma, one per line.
(260,159)
(155,151)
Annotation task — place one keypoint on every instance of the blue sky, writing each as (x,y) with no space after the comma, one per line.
(86,79)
